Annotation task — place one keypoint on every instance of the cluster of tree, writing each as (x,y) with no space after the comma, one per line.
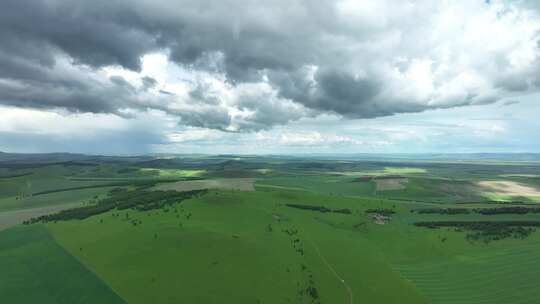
(344,211)
(16,175)
(142,184)
(488,230)
(72,214)
(497,202)
(495,233)
(319,208)
(381,211)
(390,176)
(120,200)
(483,211)
(78,188)
(307,289)
(312,292)
(297,245)
(449,211)
(363,179)
(507,210)
(477,225)
(128,170)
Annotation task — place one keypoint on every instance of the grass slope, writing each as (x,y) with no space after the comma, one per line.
(323,184)
(36,270)
(226,253)
(507,275)
(52,199)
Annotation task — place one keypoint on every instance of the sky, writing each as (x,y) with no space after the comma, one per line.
(271,77)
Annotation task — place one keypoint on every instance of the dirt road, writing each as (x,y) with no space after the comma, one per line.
(11,218)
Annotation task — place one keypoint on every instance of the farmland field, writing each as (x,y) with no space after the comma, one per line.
(35,269)
(242,184)
(390,232)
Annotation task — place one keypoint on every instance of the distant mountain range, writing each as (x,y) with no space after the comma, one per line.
(46,158)
(430,156)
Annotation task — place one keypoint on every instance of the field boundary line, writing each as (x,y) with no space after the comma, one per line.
(333,271)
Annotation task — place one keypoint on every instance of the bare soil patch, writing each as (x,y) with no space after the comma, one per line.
(11,218)
(391,184)
(508,188)
(242,184)
(276,216)
(380,219)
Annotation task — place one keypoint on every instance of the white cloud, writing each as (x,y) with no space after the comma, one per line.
(315,139)
(194,135)
(296,78)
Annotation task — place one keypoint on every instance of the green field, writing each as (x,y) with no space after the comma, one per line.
(173,172)
(311,230)
(507,275)
(239,259)
(35,269)
(323,184)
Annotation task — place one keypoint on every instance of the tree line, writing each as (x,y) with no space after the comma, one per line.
(381,211)
(483,211)
(319,208)
(487,230)
(121,199)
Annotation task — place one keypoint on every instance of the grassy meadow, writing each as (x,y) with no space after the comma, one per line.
(35,269)
(316,231)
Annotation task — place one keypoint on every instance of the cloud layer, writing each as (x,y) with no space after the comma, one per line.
(248,66)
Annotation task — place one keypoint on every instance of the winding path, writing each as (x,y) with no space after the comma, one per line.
(334,272)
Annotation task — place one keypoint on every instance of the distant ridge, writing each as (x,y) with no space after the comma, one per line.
(60,157)
(161,159)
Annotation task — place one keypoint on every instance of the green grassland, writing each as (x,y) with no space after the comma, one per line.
(505,275)
(52,199)
(244,184)
(307,234)
(174,172)
(324,184)
(226,247)
(35,269)
(46,186)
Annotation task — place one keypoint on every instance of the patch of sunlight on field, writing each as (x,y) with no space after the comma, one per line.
(520,175)
(400,170)
(174,172)
(354,173)
(242,184)
(387,170)
(389,184)
(507,198)
(508,188)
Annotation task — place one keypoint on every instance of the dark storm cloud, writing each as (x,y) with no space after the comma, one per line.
(268,111)
(202,93)
(97,33)
(41,88)
(211,118)
(35,35)
(336,91)
(363,65)
(148,82)
(342,93)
